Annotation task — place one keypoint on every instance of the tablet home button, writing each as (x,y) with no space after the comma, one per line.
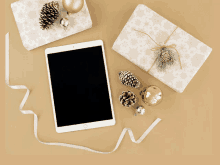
(85,126)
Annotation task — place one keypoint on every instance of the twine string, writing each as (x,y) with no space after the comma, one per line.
(147,35)
(170,35)
(178,58)
(152,65)
(158,47)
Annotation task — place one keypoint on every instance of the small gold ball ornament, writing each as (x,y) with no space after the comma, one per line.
(139,110)
(152,95)
(64,22)
(73,6)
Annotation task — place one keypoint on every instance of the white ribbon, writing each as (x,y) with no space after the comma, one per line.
(36,118)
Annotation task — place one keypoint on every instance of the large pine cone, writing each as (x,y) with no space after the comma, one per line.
(128,79)
(49,14)
(128,99)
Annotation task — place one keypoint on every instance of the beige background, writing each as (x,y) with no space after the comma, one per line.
(189,131)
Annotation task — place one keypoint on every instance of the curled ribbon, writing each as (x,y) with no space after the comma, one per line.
(36,117)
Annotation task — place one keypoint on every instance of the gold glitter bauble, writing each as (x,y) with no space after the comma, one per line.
(152,95)
(73,6)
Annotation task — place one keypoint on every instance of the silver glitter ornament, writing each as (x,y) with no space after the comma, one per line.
(139,111)
(64,22)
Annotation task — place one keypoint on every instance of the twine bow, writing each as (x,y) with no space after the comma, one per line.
(159,47)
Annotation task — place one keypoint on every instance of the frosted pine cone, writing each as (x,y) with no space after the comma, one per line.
(128,79)
(127,99)
(165,57)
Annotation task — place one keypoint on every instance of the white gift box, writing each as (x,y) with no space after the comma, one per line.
(27,14)
(146,30)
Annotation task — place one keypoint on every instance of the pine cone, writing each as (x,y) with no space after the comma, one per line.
(165,57)
(128,79)
(49,14)
(128,99)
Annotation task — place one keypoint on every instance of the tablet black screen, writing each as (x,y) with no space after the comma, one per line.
(79,86)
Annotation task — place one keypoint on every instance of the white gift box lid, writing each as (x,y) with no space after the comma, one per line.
(27,14)
(136,47)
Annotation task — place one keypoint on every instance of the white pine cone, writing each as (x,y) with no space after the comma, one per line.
(128,79)
(127,99)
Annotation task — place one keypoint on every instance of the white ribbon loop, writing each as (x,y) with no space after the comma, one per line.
(36,118)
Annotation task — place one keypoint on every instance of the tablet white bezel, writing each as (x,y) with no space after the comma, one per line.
(89,125)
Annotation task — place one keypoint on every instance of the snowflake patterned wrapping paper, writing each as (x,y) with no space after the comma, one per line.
(136,47)
(27,14)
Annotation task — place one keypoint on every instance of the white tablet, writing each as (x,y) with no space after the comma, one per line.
(79,86)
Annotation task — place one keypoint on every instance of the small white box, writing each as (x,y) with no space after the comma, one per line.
(27,14)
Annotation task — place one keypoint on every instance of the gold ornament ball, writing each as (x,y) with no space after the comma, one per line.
(73,6)
(152,95)
(139,111)
(64,22)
